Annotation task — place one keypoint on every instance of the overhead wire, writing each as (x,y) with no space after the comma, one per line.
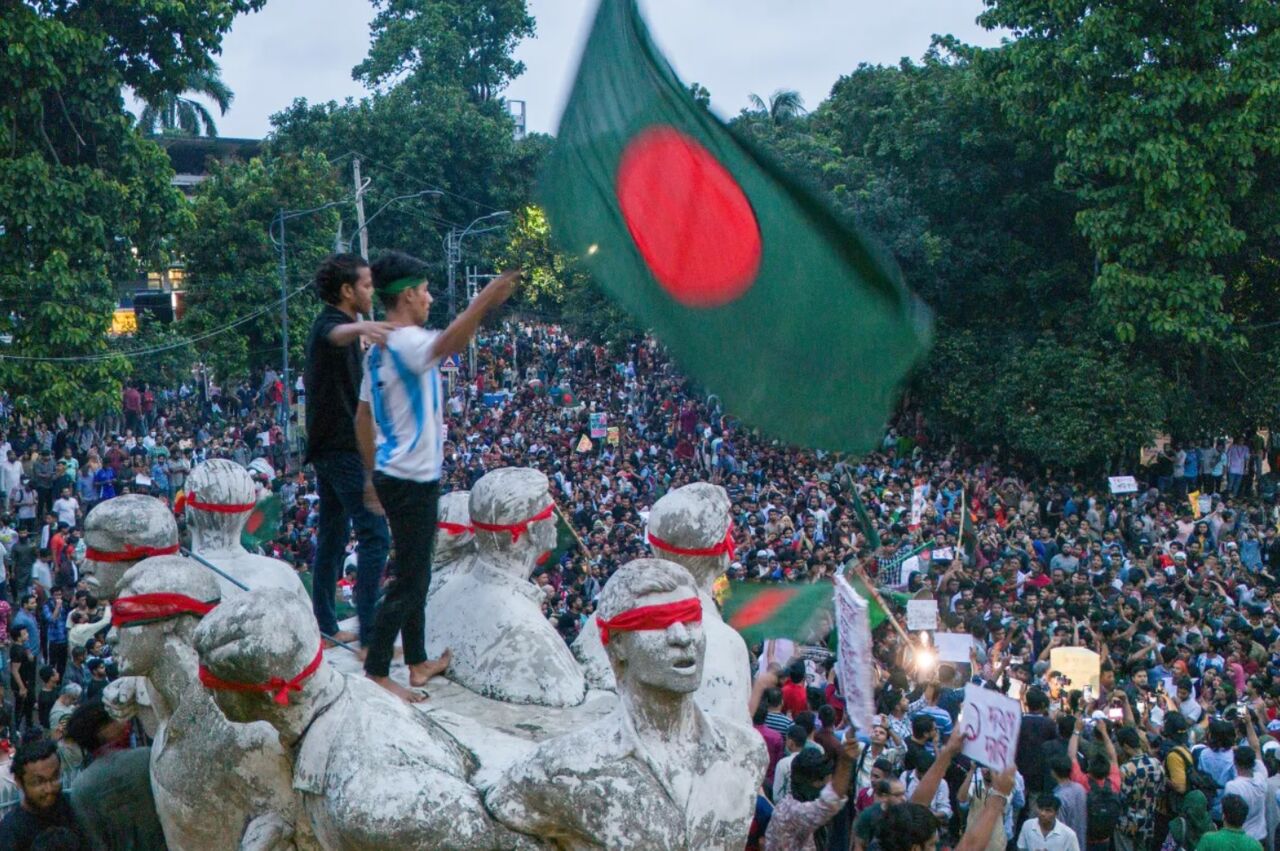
(152,350)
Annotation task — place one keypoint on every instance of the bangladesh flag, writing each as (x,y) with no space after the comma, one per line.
(875,612)
(758,611)
(263,523)
(566,544)
(762,295)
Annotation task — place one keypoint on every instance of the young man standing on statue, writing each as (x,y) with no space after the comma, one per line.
(331,380)
(400,430)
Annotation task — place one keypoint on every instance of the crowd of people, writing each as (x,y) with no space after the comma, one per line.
(1179,596)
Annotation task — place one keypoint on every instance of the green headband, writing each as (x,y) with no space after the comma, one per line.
(401,284)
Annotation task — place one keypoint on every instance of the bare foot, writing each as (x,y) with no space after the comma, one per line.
(346,635)
(407,695)
(420,673)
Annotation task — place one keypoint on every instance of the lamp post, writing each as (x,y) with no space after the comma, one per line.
(453,254)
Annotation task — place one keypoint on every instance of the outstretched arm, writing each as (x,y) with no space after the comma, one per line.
(460,331)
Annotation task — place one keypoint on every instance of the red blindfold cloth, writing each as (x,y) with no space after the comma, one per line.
(652,617)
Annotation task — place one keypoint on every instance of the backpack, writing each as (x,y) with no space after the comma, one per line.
(1103,809)
(1197,779)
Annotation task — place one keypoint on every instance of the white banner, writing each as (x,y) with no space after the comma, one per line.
(922,614)
(990,722)
(1123,484)
(855,663)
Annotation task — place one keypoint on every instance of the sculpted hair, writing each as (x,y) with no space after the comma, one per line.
(638,579)
(336,271)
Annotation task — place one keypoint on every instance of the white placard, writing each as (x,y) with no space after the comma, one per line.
(141,480)
(1016,688)
(1079,664)
(943,554)
(953,646)
(990,722)
(922,614)
(1123,484)
(855,663)
(919,499)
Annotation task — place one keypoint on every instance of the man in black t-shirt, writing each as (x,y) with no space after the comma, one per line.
(331,382)
(37,772)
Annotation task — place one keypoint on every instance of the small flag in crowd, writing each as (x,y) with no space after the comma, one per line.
(263,523)
(762,295)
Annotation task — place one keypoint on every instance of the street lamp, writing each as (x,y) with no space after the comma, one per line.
(365,227)
(453,253)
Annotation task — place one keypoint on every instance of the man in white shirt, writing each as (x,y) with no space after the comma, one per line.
(67,508)
(1250,783)
(400,432)
(1045,832)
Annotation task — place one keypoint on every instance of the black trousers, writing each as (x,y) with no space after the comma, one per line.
(412,511)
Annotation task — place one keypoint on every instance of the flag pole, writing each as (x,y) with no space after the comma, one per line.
(873,537)
(572,531)
(875,595)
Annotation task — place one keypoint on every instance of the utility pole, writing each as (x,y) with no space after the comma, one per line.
(360,228)
(452,244)
(284,348)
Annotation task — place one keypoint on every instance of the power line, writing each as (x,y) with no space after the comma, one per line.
(365,158)
(144,352)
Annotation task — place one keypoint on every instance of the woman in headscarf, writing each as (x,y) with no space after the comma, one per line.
(1186,829)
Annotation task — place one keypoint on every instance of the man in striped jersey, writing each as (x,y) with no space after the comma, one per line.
(400,431)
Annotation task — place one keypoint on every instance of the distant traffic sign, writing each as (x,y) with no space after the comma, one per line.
(451,364)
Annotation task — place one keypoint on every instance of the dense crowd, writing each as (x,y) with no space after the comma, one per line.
(1174,585)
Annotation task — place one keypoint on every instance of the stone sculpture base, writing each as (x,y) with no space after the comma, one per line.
(497,733)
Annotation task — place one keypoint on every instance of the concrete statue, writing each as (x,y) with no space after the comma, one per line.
(512,653)
(220,497)
(455,540)
(370,771)
(215,783)
(658,772)
(120,532)
(691,526)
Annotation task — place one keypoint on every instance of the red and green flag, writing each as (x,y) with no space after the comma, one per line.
(759,291)
(263,523)
(760,611)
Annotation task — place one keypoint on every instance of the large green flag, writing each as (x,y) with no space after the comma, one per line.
(759,611)
(752,283)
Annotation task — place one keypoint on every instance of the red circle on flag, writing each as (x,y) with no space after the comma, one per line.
(689,218)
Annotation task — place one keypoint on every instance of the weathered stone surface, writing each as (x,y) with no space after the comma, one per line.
(216,534)
(371,772)
(455,541)
(657,772)
(119,524)
(693,517)
(490,615)
(210,777)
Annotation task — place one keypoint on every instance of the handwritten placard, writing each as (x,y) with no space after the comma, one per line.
(990,723)
(855,662)
(1122,484)
(953,646)
(922,614)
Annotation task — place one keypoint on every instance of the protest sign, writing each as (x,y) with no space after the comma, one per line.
(1123,484)
(599,423)
(922,614)
(919,499)
(953,646)
(614,436)
(1078,664)
(943,554)
(855,663)
(584,445)
(990,723)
